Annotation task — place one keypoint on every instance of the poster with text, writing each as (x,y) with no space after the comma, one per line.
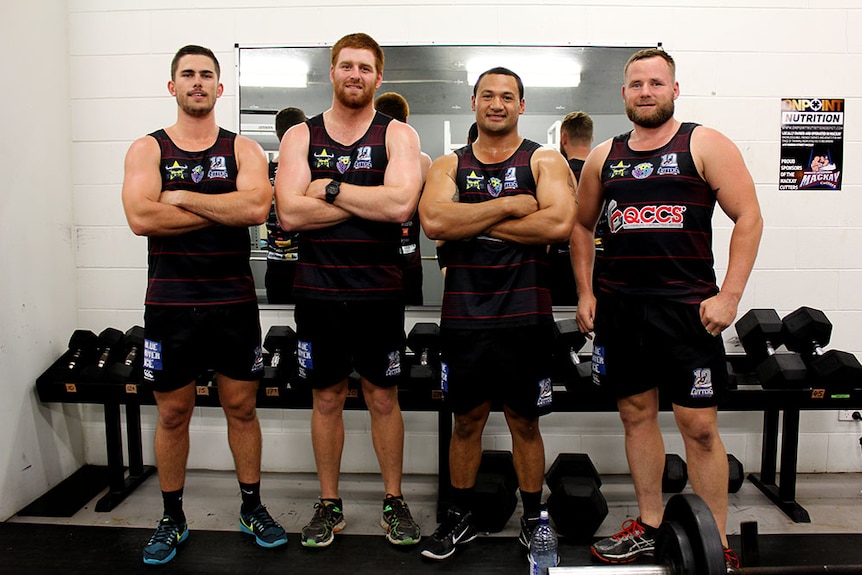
(812,144)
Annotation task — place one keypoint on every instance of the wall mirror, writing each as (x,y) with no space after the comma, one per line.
(437,81)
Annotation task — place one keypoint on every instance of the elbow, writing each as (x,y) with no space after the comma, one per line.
(432,230)
(560,233)
(139,227)
(259,215)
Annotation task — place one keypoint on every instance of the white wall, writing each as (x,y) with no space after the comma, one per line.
(736,60)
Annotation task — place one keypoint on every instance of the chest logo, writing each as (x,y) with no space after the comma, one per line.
(363,158)
(511,180)
(495,186)
(176,171)
(474,182)
(218,167)
(642,171)
(323,158)
(669,165)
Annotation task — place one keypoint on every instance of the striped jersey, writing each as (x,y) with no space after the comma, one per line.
(209,266)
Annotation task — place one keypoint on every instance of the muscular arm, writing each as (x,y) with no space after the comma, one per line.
(556,196)
(142,189)
(247,206)
(443,217)
(724,169)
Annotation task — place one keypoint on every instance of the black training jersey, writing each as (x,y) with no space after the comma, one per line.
(209,266)
(357,259)
(490,282)
(659,211)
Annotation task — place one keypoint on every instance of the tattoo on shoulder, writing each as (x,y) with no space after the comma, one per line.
(572,187)
(456,197)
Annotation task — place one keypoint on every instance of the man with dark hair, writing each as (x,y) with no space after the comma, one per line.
(193,189)
(348,178)
(282,248)
(657,290)
(497,203)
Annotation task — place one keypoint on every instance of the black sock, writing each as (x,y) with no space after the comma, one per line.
(532,502)
(250,496)
(173,502)
(335,502)
(462,498)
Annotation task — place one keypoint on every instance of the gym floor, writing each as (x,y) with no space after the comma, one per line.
(90,542)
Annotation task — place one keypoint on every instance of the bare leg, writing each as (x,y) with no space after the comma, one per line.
(387,433)
(172,435)
(528,451)
(327,435)
(238,400)
(644,451)
(465,448)
(706,459)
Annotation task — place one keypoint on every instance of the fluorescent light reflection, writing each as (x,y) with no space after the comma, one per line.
(273,69)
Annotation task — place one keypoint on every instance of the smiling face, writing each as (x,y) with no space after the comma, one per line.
(196,85)
(355,77)
(649,92)
(497,104)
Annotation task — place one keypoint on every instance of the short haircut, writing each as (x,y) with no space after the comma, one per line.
(286,118)
(192,49)
(393,104)
(504,72)
(652,53)
(359,41)
(578,126)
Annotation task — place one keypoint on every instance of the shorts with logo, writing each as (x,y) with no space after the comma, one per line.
(182,342)
(507,365)
(643,344)
(337,337)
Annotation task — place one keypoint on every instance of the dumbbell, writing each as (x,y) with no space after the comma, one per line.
(761,332)
(736,474)
(110,346)
(807,331)
(576,503)
(122,371)
(280,342)
(424,341)
(568,341)
(83,345)
(675,474)
(494,498)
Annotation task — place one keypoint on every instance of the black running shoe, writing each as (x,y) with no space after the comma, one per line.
(528,525)
(400,527)
(162,546)
(635,539)
(266,530)
(456,529)
(326,522)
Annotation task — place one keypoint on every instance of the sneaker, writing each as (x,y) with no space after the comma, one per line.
(528,525)
(457,529)
(326,522)
(162,546)
(266,530)
(634,540)
(731,559)
(398,522)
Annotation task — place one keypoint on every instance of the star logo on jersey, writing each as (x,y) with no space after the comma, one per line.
(642,171)
(197,174)
(343,164)
(474,182)
(511,180)
(618,170)
(218,168)
(323,158)
(176,171)
(495,186)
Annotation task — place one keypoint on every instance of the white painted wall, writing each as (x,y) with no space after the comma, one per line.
(736,60)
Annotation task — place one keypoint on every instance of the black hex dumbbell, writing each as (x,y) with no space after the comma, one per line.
(568,341)
(124,371)
(808,331)
(761,332)
(494,494)
(675,474)
(576,503)
(83,347)
(424,341)
(110,346)
(280,342)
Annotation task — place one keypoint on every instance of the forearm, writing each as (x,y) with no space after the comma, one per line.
(302,213)
(583,251)
(744,243)
(535,229)
(377,203)
(237,209)
(157,219)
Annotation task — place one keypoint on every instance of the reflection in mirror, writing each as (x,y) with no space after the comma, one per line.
(437,82)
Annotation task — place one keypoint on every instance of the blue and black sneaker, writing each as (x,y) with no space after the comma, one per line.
(162,546)
(266,530)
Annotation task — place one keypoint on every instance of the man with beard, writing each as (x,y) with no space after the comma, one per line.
(347,179)
(497,203)
(657,295)
(193,189)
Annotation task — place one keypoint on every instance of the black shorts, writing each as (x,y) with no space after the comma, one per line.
(509,365)
(278,280)
(182,342)
(335,338)
(641,345)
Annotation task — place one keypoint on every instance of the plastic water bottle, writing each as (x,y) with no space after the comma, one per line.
(543,547)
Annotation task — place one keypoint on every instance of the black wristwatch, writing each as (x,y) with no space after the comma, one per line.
(332,189)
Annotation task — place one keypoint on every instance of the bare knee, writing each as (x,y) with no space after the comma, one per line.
(329,402)
(381,400)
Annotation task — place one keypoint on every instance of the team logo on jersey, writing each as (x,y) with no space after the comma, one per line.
(394,369)
(642,171)
(218,167)
(197,174)
(618,170)
(323,159)
(363,158)
(495,186)
(474,182)
(511,180)
(645,217)
(258,360)
(546,393)
(343,164)
(176,171)
(668,166)
(702,386)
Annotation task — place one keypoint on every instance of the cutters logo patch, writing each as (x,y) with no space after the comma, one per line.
(702,386)
(176,171)
(669,165)
(218,168)
(618,170)
(495,186)
(363,158)
(546,393)
(642,171)
(258,360)
(323,158)
(511,180)
(197,174)
(394,369)
(474,182)
(343,164)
